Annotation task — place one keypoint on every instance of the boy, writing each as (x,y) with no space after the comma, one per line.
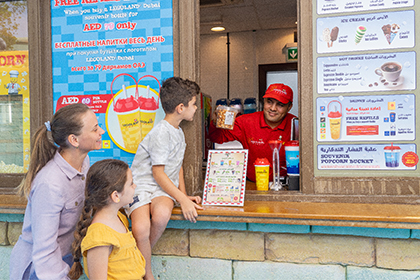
(157,169)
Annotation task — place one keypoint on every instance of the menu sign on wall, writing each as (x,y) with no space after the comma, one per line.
(340,6)
(367,72)
(366,118)
(377,109)
(386,30)
(112,56)
(366,156)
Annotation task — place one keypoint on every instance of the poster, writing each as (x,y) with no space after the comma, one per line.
(113,56)
(389,156)
(367,73)
(225,178)
(340,6)
(366,118)
(14,111)
(361,32)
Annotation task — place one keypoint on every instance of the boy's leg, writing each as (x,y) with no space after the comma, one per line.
(161,210)
(140,224)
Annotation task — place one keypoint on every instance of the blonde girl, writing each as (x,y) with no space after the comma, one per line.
(102,237)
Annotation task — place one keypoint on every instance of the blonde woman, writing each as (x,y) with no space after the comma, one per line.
(54,186)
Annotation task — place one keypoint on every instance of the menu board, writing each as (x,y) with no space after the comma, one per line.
(368,156)
(367,118)
(112,56)
(379,31)
(340,6)
(225,178)
(367,73)
(366,80)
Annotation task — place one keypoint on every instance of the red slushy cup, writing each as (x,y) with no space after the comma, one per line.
(148,108)
(127,110)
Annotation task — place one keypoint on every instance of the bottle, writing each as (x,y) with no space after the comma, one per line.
(237,103)
(250,105)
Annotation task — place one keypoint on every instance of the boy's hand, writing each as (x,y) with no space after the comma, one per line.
(189,210)
(196,199)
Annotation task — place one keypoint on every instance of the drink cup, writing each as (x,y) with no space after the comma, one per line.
(335,127)
(292,157)
(392,156)
(148,108)
(127,110)
(262,172)
(390,71)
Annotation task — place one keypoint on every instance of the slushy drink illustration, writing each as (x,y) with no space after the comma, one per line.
(148,108)
(335,120)
(127,110)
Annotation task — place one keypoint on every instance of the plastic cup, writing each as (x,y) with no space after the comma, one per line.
(262,172)
(127,110)
(292,157)
(148,108)
(335,128)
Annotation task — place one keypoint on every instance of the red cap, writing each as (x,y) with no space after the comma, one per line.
(280,92)
(261,161)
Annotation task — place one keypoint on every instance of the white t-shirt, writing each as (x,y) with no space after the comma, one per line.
(163,145)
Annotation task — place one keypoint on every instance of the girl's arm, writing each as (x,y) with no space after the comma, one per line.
(97,262)
(187,206)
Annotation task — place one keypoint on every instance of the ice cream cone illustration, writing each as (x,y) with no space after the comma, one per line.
(127,110)
(334,117)
(360,32)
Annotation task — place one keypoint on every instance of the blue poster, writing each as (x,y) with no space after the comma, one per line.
(113,56)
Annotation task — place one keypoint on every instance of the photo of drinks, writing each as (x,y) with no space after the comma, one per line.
(133,110)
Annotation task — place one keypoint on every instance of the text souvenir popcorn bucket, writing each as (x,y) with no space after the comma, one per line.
(128,104)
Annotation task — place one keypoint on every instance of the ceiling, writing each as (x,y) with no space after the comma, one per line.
(247,15)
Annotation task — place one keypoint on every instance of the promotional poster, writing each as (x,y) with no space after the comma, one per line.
(113,56)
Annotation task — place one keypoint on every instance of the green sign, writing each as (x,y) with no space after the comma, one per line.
(292,54)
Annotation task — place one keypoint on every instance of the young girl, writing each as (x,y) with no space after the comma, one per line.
(54,186)
(102,237)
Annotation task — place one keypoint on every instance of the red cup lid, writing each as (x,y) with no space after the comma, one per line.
(293,143)
(261,161)
(126,104)
(334,115)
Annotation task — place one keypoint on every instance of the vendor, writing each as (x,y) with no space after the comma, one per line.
(254,130)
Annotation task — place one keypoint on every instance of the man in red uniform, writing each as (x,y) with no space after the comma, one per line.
(254,130)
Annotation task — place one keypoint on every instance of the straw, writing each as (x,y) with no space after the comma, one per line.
(125,91)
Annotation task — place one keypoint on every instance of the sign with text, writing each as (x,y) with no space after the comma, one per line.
(225,178)
(364,118)
(340,6)
(367,72)
(112,56)
(386,30)
(368,156)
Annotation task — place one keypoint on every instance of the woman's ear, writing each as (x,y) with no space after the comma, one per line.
(73,140)
(115,197)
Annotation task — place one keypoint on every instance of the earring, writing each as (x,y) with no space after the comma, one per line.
(118,200)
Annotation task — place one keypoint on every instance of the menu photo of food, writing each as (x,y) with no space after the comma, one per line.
(389,30)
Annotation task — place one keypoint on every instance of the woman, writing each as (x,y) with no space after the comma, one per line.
(54,186)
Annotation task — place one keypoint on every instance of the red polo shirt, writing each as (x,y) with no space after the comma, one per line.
(254,133)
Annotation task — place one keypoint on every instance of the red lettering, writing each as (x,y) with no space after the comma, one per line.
(92,27)
(66,2)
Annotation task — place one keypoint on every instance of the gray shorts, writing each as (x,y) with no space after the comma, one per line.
(143,197)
